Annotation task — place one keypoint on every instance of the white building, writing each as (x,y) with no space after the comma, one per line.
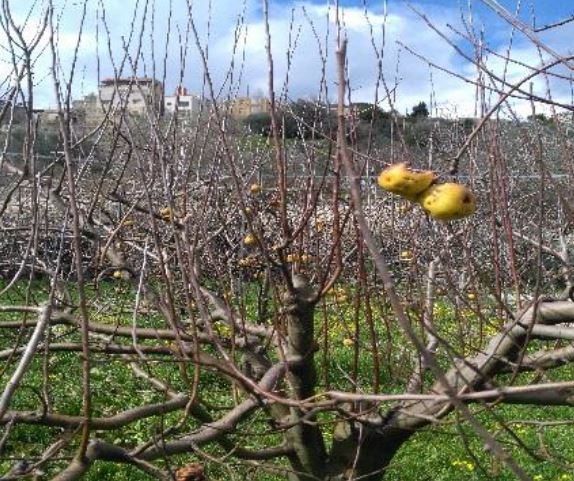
(184,102)
(135,94)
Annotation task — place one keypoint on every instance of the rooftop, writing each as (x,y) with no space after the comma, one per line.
(128,80)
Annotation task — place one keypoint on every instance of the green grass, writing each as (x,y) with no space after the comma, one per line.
(448,452)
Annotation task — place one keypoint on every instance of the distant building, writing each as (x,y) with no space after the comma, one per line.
(89,103)
(183,103)
(135,94)
(88,112)
(241,107)
(50,116)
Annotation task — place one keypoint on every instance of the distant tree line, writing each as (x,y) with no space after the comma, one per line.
(299,119)
(46,141)
(306,119)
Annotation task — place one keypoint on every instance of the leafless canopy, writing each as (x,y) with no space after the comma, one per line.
(187,297)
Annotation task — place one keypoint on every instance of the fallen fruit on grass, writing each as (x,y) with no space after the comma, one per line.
(341,298)
(448,201)
(402,180)
(336,292)
(255,189)
(190,472)
(249,240)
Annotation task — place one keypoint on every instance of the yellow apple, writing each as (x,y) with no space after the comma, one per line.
(166,213)
(448,201)
(250,240)
(406,255)
(255,189)
(402,180)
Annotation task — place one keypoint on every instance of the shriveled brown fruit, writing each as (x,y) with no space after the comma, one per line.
(191,472)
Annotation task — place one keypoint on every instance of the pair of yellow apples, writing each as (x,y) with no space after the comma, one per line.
(446,201)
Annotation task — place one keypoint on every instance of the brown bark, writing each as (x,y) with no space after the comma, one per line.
(305,436)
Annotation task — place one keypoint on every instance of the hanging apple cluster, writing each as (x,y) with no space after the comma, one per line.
(446,201)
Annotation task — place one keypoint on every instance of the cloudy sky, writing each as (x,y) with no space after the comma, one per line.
(389,50)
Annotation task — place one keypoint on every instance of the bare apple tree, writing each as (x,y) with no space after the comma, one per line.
(187,299)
